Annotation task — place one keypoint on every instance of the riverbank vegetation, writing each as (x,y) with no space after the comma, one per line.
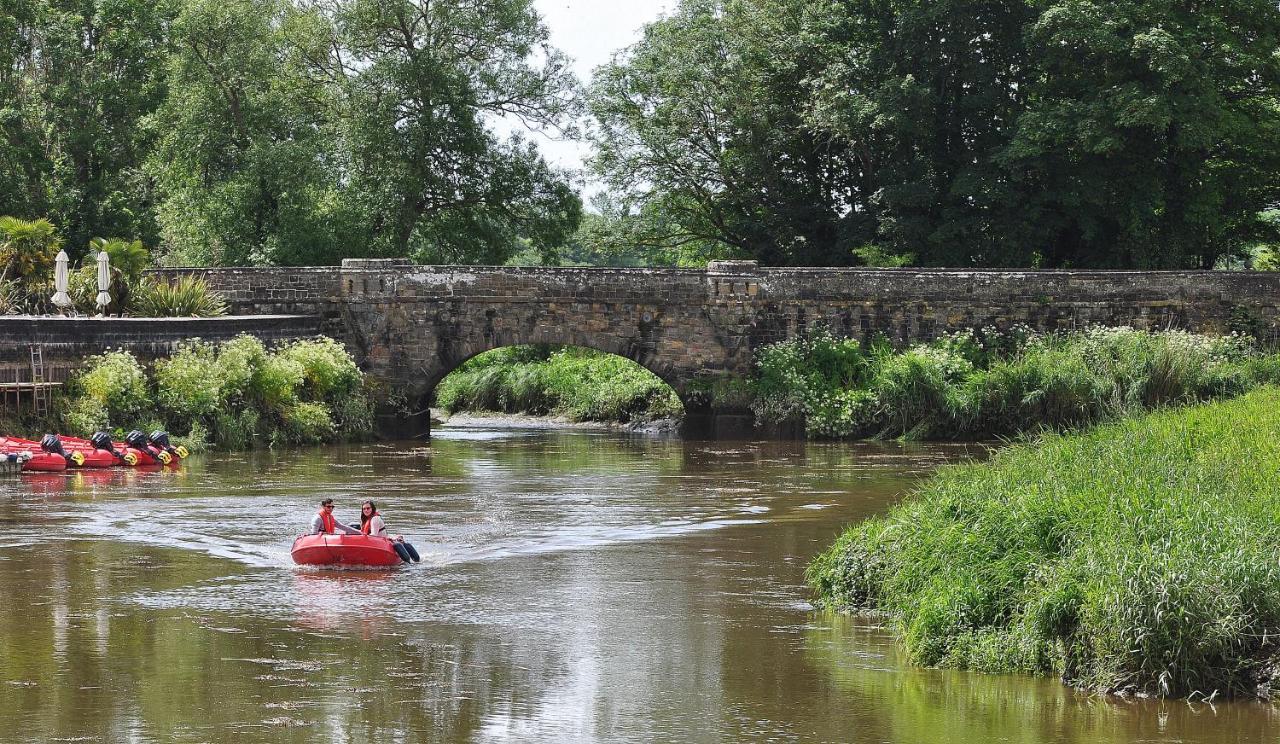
(1138,557)
(980,384)
(576,383)
(234,395)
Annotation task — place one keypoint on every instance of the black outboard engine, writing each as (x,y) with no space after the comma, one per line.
(102,440)
(53,445)
(161,440)
(137,440)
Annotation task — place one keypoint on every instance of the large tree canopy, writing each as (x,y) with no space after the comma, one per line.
(286,131)
(959,132)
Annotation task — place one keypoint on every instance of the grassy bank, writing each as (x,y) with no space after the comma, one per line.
(985,384)
(1143,556)
(579,384)
(234,395)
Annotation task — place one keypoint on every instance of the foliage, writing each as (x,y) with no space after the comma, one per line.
(111,390)
(77,84)
(581,384)
(987,383)
(185,297)
(300,133)
(1139,557)
(615,234)
(27,249)
(1050,133)
(328,371)
(235,394)
(126,259)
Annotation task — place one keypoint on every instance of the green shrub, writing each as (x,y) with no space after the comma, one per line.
(27,249)
(307,423)
(116,384)
(240,361)
(277,381)
(328,371)
(580,384)
(234,394)
(986,383)
(189,385)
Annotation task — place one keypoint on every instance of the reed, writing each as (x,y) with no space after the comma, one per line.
(984,384)
(1142,556)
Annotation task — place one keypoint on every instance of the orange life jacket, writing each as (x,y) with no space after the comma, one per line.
(330,524)
(368,524)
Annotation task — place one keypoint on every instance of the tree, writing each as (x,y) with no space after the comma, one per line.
(416,84)
(246,162)
(700,121)
(1151,134)
(78,80)
(959,132)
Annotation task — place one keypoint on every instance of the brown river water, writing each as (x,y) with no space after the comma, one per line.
(575,587)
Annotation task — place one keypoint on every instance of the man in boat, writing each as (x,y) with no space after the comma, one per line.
(324,521)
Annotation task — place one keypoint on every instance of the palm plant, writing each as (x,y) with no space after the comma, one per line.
(27,248)
(128,260)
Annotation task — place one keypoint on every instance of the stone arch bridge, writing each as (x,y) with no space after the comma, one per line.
(411,325)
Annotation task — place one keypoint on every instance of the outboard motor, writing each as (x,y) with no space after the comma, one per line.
(161,440)
(53,445)
(138,441)
(102,440)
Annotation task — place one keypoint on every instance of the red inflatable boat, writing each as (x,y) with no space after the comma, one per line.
(31,455)
(344,550)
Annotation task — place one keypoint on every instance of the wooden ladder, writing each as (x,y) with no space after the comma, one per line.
(39,388)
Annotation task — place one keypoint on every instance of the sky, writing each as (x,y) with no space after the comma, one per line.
(590,31)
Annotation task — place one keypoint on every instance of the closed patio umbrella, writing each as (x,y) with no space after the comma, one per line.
(61,299)
(104,281)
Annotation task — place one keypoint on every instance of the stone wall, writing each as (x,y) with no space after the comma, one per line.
(66,342)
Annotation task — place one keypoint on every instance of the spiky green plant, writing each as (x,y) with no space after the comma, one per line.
(187,297)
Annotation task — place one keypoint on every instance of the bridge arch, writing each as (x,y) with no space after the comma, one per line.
(431,393)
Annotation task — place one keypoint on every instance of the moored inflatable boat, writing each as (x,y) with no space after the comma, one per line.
(31,456)
(344,550)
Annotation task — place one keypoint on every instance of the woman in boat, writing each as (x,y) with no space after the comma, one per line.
(371,524)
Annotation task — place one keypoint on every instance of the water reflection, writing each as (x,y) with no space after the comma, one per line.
(576,587)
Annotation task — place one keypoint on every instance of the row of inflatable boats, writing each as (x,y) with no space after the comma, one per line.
(54,453)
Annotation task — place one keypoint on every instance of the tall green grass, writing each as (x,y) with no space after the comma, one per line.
(580,384)
(982,384)
(1143,556)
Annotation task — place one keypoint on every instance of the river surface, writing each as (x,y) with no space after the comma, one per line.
(575,587)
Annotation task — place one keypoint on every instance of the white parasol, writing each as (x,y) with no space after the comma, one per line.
(61,282)
(104,281)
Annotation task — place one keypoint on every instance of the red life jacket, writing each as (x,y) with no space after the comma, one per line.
(330,524)
(368,524)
